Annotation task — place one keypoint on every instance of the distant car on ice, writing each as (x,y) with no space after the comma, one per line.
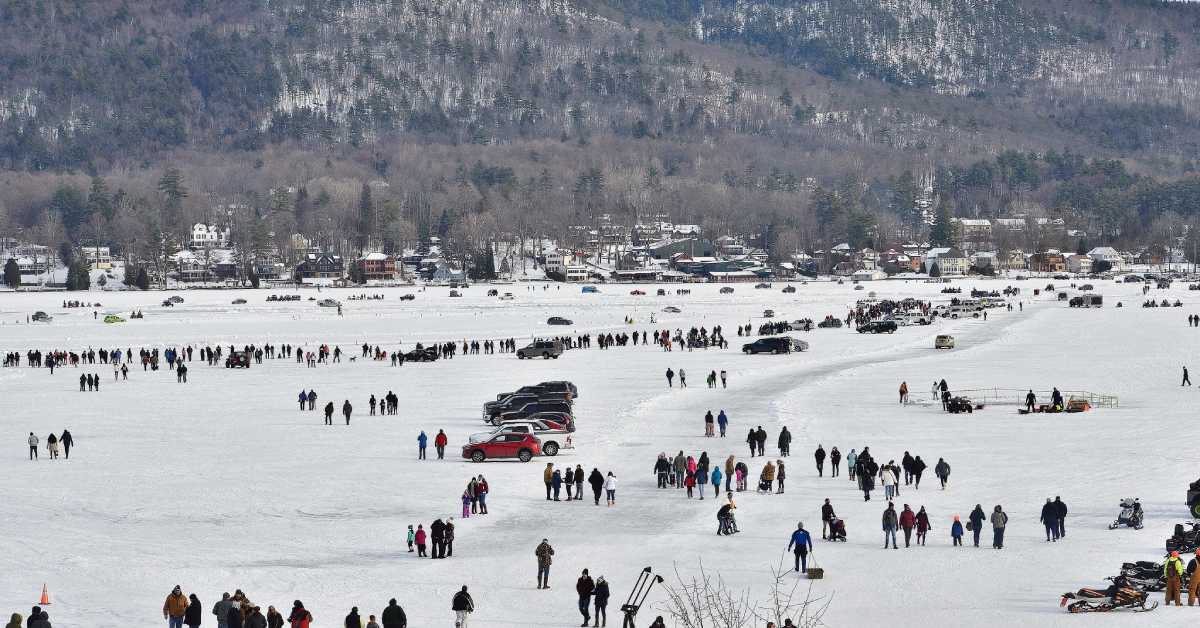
(768,313)
(329,303)
(552,436)
(558,320)
(41,317)
(671,309)
(590,290)
(789,289)
(943,342)
(726,290)
(545,348)
(407,297)
(455,293)
(238,360)
(637,293)
(523,447)
(780,344)
(239,302)
(762,286)
(878,327)
(426,354)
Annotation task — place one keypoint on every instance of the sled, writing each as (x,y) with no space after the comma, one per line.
(815,573)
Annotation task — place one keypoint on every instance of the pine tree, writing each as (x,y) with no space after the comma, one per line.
(12,274)
(366,216)
(941,233)
(143,279)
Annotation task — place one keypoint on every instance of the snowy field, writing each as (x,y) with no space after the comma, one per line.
(221,483)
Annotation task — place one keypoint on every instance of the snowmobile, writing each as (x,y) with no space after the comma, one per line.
(1186,538)
(1131,515)
(1119,596)
(1143,575)
(837,530)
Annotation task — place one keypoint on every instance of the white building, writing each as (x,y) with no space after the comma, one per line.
(576,272)
(1079,264)
(208,236)
(556,260)
(1107,254)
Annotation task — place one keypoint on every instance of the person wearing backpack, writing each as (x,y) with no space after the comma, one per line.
(999,521)
(1173,571)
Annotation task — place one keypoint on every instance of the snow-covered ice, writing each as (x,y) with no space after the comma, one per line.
(222,483)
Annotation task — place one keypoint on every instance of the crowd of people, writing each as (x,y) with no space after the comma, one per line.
(571,481)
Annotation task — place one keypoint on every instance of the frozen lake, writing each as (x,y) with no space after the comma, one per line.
(221,483)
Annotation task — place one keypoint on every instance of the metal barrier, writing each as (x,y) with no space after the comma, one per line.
(1016,396)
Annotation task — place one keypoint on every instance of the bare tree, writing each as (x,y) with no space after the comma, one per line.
(706,601)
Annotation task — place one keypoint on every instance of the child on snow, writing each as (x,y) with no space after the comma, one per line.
(956,531)
(466,502)
(420,538)
(411,538)
(371,623)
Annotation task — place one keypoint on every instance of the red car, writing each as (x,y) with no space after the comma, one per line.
(505,445)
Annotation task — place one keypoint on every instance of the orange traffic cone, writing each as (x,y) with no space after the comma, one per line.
(45,601)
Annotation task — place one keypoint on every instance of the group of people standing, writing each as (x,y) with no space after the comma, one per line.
(572,480)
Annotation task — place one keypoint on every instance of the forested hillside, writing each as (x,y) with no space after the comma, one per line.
(480,116)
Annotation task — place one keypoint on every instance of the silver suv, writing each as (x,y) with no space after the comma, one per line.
(545,348)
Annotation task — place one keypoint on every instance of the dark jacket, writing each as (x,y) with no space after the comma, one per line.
(918,466)
(233,618)
(462,602)
(191,616)
(257,620)
(1049,513)
(977,517)
(438,529)
(596,479)
(1060,508)
(584,587)
(353,620)
(600,594)
(394,617)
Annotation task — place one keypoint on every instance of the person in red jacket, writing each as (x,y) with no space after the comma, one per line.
(299,618)
(907,520)
(440,443)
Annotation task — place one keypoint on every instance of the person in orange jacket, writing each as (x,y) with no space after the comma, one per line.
(439,442)
(175,607)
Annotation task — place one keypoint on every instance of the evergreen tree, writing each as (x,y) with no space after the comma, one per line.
(143,279)
(1081,248)
(941,233)
(785,98)
(99,202)
(12,274)
(366,216)
(935,270)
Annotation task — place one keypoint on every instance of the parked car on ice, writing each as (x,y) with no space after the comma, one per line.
(558,388)
(558,320)
(590,290)
(529,409)
(455,293)
(41,317)
(726,290)
(671,309)
(426,354)
(637,293)
(329,303)
(523,447)
(545,348)
(943,341)
(553,438)
(877,327)
(789,289)
(830,323)
(768,313)
(239,301)
(238,360)
(407,297)
(780,344)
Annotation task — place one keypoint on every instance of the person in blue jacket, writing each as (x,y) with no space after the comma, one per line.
(956,531)
(716,481)
(422,439)
(802,542)
(722,422)
(303,400)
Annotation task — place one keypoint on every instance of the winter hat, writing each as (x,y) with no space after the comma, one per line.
(799,524)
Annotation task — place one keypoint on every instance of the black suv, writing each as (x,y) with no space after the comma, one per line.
(878,327)
(771,345)
(526,410)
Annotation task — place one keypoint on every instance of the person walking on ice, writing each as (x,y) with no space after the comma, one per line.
(1186,380)
(463,606)
(802,541)
(33,446)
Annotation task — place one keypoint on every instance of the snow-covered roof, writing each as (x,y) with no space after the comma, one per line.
(375,257)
